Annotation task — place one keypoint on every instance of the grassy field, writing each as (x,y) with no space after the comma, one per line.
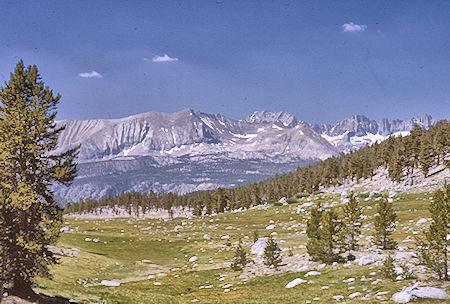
(150,259)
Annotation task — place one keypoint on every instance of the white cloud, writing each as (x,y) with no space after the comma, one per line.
(353,27)
(92,74)
(165,58)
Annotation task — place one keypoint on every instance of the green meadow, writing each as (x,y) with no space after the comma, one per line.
(150,258)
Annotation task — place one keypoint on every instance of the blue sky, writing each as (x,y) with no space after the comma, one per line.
(319,60)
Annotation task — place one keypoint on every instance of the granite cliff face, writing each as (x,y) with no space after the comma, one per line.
(190,150)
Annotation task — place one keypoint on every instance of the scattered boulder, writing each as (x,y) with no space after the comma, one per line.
(312,273)
(65,229)
(366,260)
(207,237)
(404,255)
(422,221)
(303,268)
(270,227)
(259,246)
(295,282)
(193,259)
(110,283)
(414,292)
(354,295)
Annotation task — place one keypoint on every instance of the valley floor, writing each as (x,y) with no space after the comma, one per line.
(186,260)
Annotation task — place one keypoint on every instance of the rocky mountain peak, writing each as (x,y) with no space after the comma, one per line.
(360,125)
(286,119)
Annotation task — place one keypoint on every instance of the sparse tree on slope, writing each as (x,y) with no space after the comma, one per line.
(28,168)
(426,154)
(240,258)
(323,230)
(272,252)
(222,200)
(385,223)
(397,161)
(351,220)
(388,270)
(433,249)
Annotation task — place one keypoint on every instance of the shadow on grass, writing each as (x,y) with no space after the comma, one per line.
(20,297)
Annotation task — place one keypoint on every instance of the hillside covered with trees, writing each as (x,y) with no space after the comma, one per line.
(401,156)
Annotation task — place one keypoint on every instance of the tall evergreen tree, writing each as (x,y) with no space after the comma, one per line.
(323,230)
(240,258)
(314,222)
(426,154)
(385,223)
(351,220)
(433,249)
(222,200)
(28,168)
(397,161)
(272,256)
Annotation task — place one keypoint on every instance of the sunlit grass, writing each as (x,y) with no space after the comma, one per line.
(128,251)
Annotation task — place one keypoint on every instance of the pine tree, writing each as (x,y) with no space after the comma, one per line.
(385,223)
(272,251)
(388,270)
(3,257)
(28,167)
(433,248)
(240,258)
(426,154)
(222,200)
(351,220)
(323,230)
(314,222)
(397,161)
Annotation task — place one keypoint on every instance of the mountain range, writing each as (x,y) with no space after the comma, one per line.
(190,150)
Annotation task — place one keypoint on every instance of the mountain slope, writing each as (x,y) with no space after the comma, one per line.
(357,131)
(192,133)
(190,150)
(186,151)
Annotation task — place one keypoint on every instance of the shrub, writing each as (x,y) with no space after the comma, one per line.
(407,272)
(255,236)
(291,200)
(301,195)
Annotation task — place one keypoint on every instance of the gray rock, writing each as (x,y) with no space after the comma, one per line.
(410,293)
